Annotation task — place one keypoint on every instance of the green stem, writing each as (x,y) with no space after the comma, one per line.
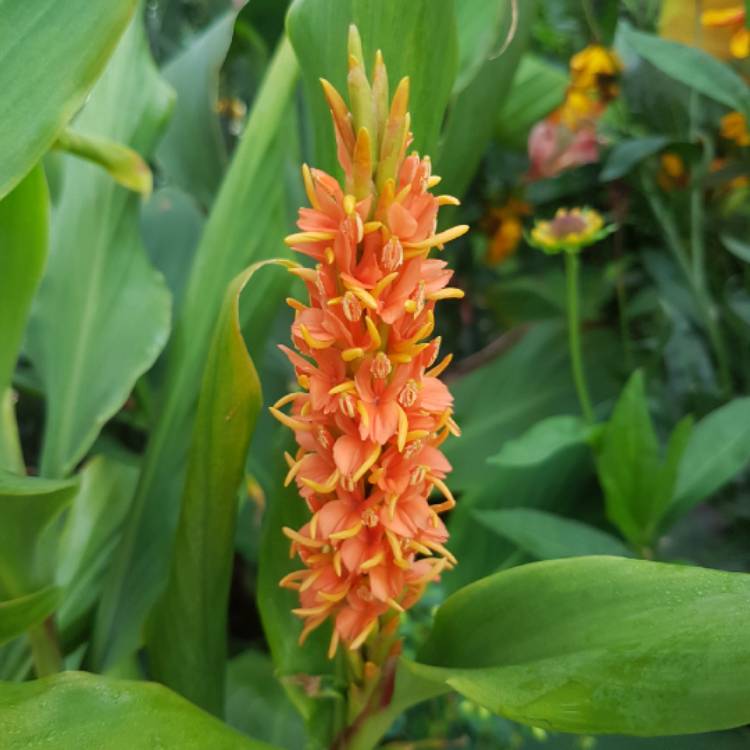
(704,303)
(588,11)
(45,648)
(574,335)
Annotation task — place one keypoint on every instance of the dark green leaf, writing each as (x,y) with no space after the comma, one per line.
(739,248)
(235,235)
(546,536)
(537,89)
(257,704)
(187,641)
(718,449)
(693,67)
(418,39)
(473,111)
(192,151)
(103,312)
(542,441)
(628,154)
(78,710)
(600,645)
(50,55)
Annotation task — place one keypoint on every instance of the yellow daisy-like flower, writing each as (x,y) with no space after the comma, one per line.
(596,67)
(734,128)
(672,174)
(570,231)
(733,18)
(505,225)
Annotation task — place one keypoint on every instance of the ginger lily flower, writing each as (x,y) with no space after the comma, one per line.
(570,231)
(371,412)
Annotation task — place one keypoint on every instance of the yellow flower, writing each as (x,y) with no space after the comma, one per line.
(734,128)
(596,67)
(506,226)
(672,173)
(579,106)
(570,231)
(732,18)
(678,23)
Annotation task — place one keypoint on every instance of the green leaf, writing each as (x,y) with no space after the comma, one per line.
(24,235)
(739,248)
(547,536)
(234,237)
(28,506)
(78,710)
(543,440)
(418,39)
(103,312)
(19,614)
(718,450)
(92,527)
(187,641)
(257,704)
(638,486)
(538,88)
(600,645)
(529,380)
(693,67)
(628,154)
(482,90)
(50,55)
(192,152)
(294,663)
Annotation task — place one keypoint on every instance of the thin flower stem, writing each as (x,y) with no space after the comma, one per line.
(588,11)
(45,649)
(574,335)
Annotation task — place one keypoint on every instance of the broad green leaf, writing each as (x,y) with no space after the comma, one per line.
(188,631)
(234,236)
(257,704)
(543,440)
(103,313)
(79,710)
(638,486)
(192,152)
(718,450)
(546,536)
(628,154)
(600,645)
(51,53)
(21,613)
(693,67)
(538,87)
(92,527)
(418,39)
(473,110)
(171,226)
(24,230)
(28,506)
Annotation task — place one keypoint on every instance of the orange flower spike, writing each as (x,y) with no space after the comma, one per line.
(371,416)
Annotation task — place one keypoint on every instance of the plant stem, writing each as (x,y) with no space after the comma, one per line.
(703,300)
(588,11)
(574,335)
(45,648)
